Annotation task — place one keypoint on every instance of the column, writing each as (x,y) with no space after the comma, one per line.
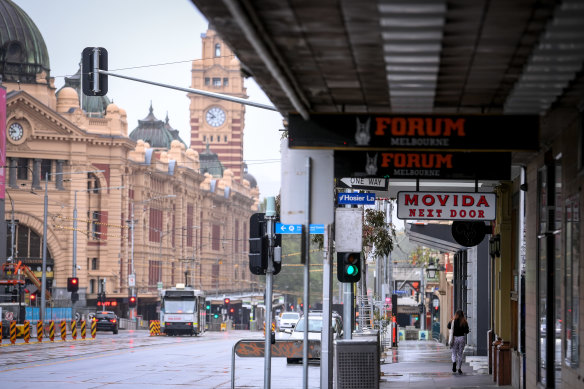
(12,173)
(36,173)
(59,175)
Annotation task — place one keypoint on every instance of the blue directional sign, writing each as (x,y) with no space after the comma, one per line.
(297,228)
(356,198)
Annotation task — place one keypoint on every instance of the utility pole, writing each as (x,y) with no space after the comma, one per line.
(270,218)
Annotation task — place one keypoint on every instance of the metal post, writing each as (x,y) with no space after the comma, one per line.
(347,304)
(44,263)
(132,290)
(75,237)
(326,360)
(423,298)
(270,215)
(306,256)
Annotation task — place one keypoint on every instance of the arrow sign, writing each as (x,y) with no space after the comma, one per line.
(365,183)
(297,228)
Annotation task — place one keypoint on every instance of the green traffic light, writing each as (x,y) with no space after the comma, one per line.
(216,316)
(208,307)
(351,270)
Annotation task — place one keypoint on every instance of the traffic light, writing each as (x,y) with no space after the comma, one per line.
(132,301)
(208,307)
(94,84)
(259,245)
(72,284)
(348,267)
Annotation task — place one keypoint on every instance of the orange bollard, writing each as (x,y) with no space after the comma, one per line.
(52,330)
(93,328)
(74,329)
(13,332)
(63,330)
(40,331)
(82,329)
(26,334)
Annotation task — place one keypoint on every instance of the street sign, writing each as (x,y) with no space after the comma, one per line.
(365,183)
(132,280)
(466,206)
(297,228)
(356,198)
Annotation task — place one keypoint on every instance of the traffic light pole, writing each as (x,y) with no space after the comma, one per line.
(347,304)
(270,217)
(306,256)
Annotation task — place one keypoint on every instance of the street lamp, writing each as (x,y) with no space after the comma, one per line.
(431,270)
(44,265)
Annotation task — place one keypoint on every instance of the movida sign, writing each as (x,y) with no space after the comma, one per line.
(446,206)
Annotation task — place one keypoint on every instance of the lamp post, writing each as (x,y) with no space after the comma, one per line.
(45,212)
(11,228)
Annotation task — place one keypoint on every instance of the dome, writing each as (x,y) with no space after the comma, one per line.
(253,183)
(210,163)
(112,108)
(67,98)
(23,52)
(94,106)
(157,133)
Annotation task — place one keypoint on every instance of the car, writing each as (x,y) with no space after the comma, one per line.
(288,321)
(106,321)
(314,330)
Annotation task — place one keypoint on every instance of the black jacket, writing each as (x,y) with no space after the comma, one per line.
(458,329)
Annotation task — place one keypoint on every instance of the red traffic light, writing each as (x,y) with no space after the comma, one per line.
(72,284)
(226,301)
(232,310)
(132,301)
(33,297)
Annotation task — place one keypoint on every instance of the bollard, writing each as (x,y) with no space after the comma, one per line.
(52,330)
(154,327)
(40,331)
(63,330)
(26,334)
(74,329)
(13,332)
(93,328)
(83,329)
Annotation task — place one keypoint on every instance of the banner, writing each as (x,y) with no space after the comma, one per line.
(2,142)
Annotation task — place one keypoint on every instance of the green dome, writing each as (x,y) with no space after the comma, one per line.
(210,163)
(23,52)
(155,132)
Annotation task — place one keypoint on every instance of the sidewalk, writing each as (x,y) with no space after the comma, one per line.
(428,365)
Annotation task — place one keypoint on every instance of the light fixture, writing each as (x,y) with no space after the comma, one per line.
(431,270)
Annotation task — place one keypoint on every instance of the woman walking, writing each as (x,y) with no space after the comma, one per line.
(460,328)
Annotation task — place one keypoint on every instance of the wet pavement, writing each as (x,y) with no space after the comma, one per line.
(428,365)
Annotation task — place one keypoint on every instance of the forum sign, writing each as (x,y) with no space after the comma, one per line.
(464,206)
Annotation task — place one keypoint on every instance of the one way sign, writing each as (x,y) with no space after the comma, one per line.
(365,183)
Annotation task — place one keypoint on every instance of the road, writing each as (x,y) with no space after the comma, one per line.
(133,359)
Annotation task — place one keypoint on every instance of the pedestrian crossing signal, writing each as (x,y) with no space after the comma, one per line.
(72,284)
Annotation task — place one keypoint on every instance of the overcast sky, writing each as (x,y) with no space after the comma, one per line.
(139,34)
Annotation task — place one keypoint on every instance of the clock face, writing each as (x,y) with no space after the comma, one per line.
(15,131)
(215,116)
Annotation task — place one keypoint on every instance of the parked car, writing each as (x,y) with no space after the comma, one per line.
(288,321)
(106,321)
(314,331)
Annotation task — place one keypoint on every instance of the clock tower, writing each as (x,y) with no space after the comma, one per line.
(215,122)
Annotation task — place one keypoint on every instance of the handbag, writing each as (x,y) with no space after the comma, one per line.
(451,334)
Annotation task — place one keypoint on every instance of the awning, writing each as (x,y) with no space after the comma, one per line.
(435,236)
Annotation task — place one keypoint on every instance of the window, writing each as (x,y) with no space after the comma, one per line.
(22,169)
(215,275)
(94,263)
(572,281)
(225,138)
(154,273)
(225,81)
(46,165)
(211,138)
(216,82)
(207,81)
(216,239)
(92,286)
(94,224)
(217,50)
(204,138)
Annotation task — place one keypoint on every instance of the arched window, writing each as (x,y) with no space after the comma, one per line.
(27,246)
(217,50)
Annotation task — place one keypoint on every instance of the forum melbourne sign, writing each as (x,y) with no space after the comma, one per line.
(495,133)
(465,206)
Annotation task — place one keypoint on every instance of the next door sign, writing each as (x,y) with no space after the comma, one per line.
(446,206)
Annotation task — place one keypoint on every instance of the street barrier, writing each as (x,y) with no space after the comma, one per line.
(74,329)
(26,334)
(83,329)
(154,327)
(40,331)
(13,332)
(63,330)
(52,330)
(93,329)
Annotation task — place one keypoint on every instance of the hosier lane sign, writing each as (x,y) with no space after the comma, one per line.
(415,132)
(446,206)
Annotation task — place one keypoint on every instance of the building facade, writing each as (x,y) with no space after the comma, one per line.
(121,208)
